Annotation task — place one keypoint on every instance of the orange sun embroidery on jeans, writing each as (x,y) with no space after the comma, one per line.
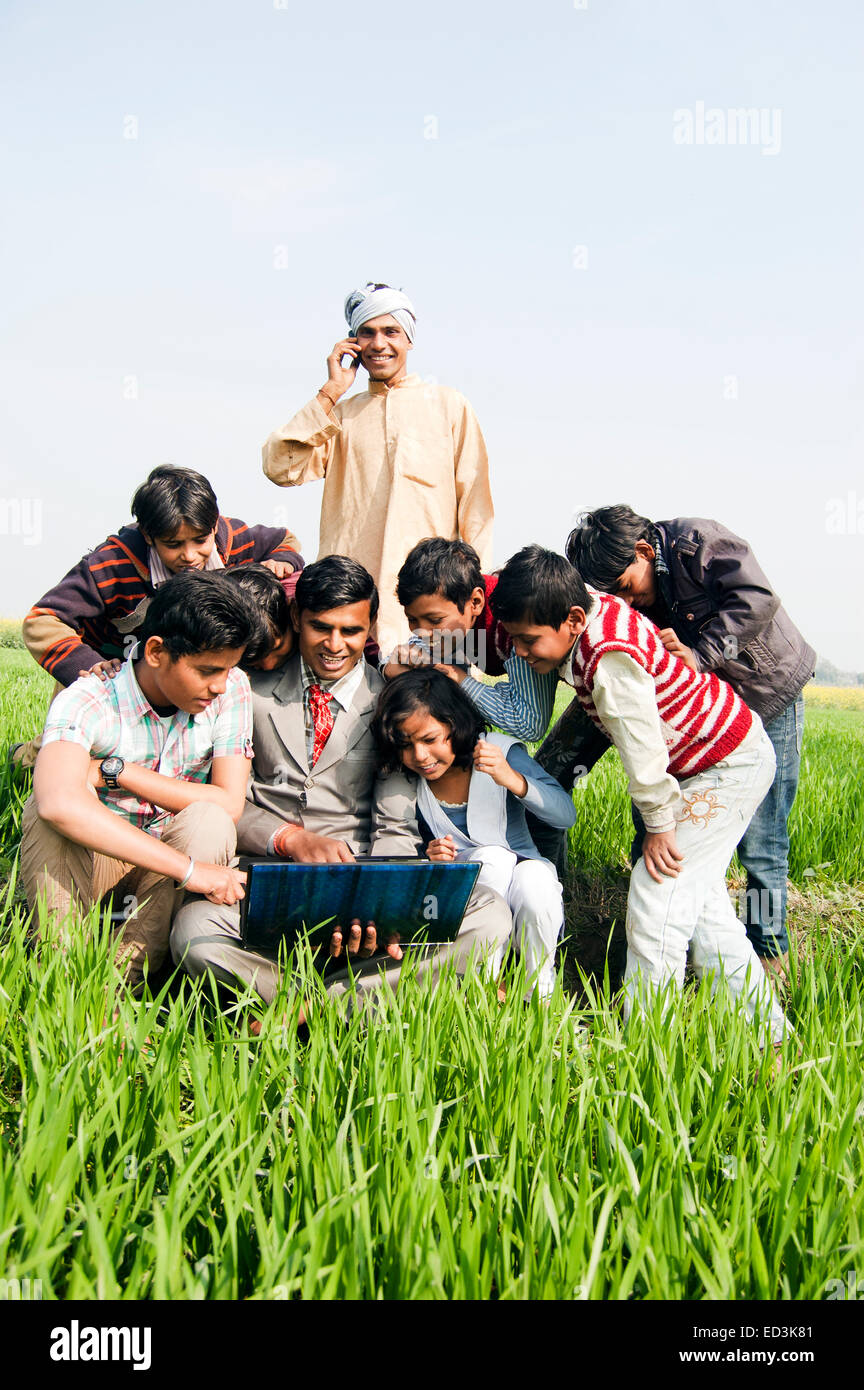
(700,808)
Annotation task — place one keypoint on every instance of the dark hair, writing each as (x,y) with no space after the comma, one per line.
(335,582)
(538,586)
(603,543)
(200,611)
(266,594)
(424,689)
(436,566)
(171,497)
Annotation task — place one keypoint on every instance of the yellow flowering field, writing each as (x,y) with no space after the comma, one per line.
(835,696)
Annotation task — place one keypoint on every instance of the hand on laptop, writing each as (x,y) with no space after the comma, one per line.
(362,942)
(305,847)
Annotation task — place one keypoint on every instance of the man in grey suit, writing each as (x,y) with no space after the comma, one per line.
(315,795)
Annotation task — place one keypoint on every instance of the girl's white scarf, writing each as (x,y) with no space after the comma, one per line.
(487,807)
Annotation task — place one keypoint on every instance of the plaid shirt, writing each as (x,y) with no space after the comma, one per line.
(114,716)
(343,692)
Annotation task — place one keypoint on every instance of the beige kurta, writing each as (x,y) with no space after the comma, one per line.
(399,464)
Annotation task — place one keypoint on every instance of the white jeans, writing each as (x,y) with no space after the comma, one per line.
(664,918)
(534,895)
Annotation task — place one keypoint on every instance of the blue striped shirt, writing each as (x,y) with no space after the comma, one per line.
(521,704)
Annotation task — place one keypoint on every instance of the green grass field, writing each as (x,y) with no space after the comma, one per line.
(451,1147)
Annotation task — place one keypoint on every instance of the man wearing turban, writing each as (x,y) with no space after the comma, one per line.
(401,461)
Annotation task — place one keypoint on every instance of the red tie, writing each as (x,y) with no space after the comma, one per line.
(322,719)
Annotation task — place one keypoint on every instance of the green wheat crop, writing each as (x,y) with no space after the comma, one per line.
(446,1146)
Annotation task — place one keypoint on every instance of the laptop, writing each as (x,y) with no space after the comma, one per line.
(424,902)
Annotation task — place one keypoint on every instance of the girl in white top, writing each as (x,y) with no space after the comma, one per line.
(472,793)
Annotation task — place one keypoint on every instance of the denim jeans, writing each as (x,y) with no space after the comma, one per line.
(764,850)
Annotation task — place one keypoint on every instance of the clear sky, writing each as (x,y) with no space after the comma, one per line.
(191,190)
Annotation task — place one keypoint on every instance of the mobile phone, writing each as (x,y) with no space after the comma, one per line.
(346,360)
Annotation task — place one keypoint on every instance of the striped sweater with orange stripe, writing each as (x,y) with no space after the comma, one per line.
(90,615)
(703,720)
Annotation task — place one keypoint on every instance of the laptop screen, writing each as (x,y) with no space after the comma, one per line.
(421,901)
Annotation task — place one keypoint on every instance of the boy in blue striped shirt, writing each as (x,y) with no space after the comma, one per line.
(446,596)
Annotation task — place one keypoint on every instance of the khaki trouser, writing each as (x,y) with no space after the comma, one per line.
(25,754)
(207,937)
(70,878)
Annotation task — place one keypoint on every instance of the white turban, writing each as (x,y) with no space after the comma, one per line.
(371,303)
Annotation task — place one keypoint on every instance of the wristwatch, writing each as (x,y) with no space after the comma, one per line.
(111,769)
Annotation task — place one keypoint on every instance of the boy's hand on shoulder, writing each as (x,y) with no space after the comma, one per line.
(104,669)
(662,855)
(442,851)
(280,568)
(673,644)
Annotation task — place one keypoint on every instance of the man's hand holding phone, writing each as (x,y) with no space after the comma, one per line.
(340,378)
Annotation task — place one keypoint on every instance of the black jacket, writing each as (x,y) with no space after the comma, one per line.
(714,594)
(721,604)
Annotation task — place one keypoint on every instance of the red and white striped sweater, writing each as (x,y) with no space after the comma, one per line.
(703,719)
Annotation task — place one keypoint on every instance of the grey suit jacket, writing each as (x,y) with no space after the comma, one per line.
(342,796)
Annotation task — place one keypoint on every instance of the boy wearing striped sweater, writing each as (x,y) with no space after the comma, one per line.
(697,759)
(90,616)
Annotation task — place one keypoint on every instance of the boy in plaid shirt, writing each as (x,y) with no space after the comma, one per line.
(141,779)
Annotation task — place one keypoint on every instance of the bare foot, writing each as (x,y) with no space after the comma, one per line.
(255,1025)
(777,970)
